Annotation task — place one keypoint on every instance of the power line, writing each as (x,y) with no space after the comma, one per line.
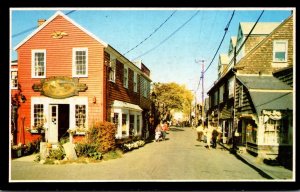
(150,50)
(32,28)
(240,48)
(226,29)
(151,33)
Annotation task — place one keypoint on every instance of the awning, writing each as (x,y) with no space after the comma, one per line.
(272,101)
(125,105)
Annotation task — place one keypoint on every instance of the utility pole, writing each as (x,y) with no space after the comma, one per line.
(202,78)
(202,93)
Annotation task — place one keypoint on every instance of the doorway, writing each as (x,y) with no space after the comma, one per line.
(59,122)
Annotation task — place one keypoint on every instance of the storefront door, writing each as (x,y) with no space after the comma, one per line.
(53,124)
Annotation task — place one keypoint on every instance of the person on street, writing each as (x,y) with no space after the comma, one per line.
(208,133)
(165,128)
(199,130)
(214,137)
(158,132)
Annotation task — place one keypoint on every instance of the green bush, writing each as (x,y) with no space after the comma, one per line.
(32,147)
(58,154)
(88,150)
(103,135)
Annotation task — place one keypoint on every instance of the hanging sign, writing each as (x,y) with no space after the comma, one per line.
(59,87)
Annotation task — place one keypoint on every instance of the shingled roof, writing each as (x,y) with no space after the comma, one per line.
(267,92)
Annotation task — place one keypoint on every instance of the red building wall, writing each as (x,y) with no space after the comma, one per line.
(59,63)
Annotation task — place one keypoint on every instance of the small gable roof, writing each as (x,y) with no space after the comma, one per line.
(261,28)
(59,13)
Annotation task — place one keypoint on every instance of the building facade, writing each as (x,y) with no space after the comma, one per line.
(72,79)
(253,98)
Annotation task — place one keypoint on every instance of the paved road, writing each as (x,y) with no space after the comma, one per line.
(180,157)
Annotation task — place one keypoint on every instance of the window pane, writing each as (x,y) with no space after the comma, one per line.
(280,56)
(39,64)
(38,113)
(80,115)
(80,62)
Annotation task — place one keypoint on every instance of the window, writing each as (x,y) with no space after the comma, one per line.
(116,119)
(221,93)
(145,88)
(230,87)
(125,77)
(80,116)
(124,125)
(280,50)
(138,124)
(80,62)
(135,82)
(38,115)
(241,96)
(112,72)
(38,63)
(14,79)
(216,98)
(131,125)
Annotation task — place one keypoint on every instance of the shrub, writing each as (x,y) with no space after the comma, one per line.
(32,147)
(58,154)
(103,135)
(88,150)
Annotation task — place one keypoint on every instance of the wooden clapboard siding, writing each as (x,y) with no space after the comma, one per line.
(118,92)
(59,63)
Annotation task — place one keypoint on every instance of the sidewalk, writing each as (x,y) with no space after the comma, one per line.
(274,172)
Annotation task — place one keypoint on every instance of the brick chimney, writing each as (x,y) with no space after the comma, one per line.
(41,21)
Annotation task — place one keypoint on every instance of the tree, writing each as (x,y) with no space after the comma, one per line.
(172,96)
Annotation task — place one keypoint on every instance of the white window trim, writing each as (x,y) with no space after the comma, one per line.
(127,112)
(78,100)
(135,82)
(286,52)
(12,70)
(33,51)
(125,84)
(74,63)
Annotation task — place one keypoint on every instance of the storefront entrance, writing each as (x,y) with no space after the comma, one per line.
(59,116)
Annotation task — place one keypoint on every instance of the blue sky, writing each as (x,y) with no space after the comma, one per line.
(174,59)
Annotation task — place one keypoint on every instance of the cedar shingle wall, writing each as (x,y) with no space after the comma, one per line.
(261,59)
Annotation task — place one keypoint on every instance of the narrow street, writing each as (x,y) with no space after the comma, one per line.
(180,157)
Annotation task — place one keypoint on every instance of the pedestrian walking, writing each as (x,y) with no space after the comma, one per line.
(158,132)
(199,130)
(208,133)
(214,137)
